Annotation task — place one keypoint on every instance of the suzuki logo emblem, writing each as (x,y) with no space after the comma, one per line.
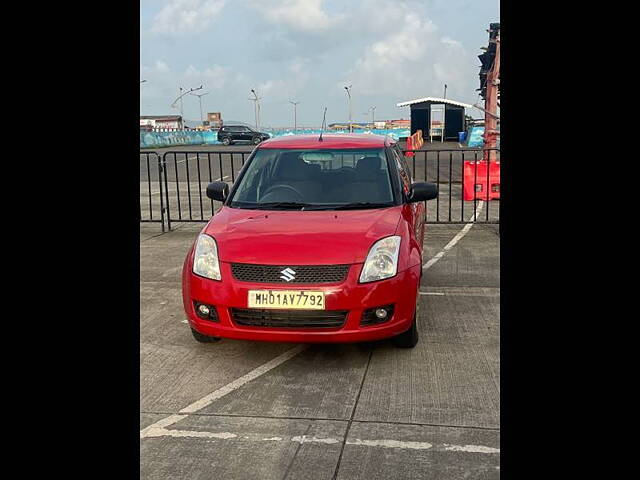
(287,274)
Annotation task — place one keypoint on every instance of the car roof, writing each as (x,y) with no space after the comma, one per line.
(340,141)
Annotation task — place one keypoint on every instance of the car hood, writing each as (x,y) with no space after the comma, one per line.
(299,237)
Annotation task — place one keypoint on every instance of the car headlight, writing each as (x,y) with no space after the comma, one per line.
(382,261)
(205,259)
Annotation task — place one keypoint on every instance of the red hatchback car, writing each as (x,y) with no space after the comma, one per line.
(318,240)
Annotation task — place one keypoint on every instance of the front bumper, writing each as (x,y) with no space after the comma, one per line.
(350,295)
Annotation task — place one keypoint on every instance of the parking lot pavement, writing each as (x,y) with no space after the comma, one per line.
(237,409)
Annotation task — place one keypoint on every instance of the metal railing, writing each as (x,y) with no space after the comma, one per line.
(446,169)
(151,193)
(173,186)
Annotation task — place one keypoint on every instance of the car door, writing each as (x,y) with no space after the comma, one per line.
(244,134)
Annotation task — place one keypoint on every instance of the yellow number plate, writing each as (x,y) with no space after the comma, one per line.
(286,299)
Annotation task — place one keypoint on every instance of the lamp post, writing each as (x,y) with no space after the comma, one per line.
(200,98)
(295,115)
(256,102)
(141,104)
(173,105)
(348,89)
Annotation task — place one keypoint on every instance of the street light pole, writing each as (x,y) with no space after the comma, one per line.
(256,101)
(295,115)
(141,104)
(348,89)
(200,98)
(373,117)
(173,105)
(181,109)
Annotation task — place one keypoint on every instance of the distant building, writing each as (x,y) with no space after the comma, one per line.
(345,126)
(214,120)
(161,122)
(440,117)
(397,124)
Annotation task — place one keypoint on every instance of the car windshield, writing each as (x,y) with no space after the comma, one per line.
(315,180)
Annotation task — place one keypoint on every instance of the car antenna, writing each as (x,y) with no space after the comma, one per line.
(323,121)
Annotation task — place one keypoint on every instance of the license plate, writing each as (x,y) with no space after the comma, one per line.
(286,299)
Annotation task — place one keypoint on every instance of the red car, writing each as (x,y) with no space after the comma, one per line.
(318,240)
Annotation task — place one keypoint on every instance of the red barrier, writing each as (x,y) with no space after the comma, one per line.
(409,147)
(474,182)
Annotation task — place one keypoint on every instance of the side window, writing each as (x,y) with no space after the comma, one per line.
(404,162)
(403,170)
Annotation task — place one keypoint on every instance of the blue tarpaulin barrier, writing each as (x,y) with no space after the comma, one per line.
(181,137)
(190,137)
(474,138)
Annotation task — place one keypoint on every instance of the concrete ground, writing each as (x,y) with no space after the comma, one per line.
(239,409)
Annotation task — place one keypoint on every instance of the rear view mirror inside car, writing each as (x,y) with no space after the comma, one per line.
(317,157)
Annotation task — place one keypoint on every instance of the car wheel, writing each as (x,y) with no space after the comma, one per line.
(408,339)
(256,140)
(204,338)
(226,141)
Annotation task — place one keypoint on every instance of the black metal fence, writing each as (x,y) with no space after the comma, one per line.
(151,192)
(173,186)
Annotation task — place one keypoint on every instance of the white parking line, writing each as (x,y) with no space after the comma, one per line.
(471,448)
(152,430)
(455,239)
(381,443)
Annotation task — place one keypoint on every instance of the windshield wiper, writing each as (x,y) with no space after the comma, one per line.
(283,205)
(358,205)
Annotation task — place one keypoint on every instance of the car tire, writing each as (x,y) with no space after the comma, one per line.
(226,141)
(408,339)
(256,140)
(204,338)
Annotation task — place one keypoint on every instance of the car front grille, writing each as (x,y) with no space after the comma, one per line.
(246,272)
(256,317)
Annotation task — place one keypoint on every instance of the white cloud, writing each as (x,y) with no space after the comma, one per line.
(213,78)
(300,15)
(413,61)
(162,87)
(161,66)
(186,16)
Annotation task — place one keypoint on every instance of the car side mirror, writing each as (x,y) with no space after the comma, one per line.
(218,191)
(421,191)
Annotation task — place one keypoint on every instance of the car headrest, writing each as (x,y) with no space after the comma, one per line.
(368,168)
(292,167)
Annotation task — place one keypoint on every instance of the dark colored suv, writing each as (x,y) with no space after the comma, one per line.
(229,134)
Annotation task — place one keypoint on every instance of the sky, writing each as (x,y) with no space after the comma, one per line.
(307,51)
